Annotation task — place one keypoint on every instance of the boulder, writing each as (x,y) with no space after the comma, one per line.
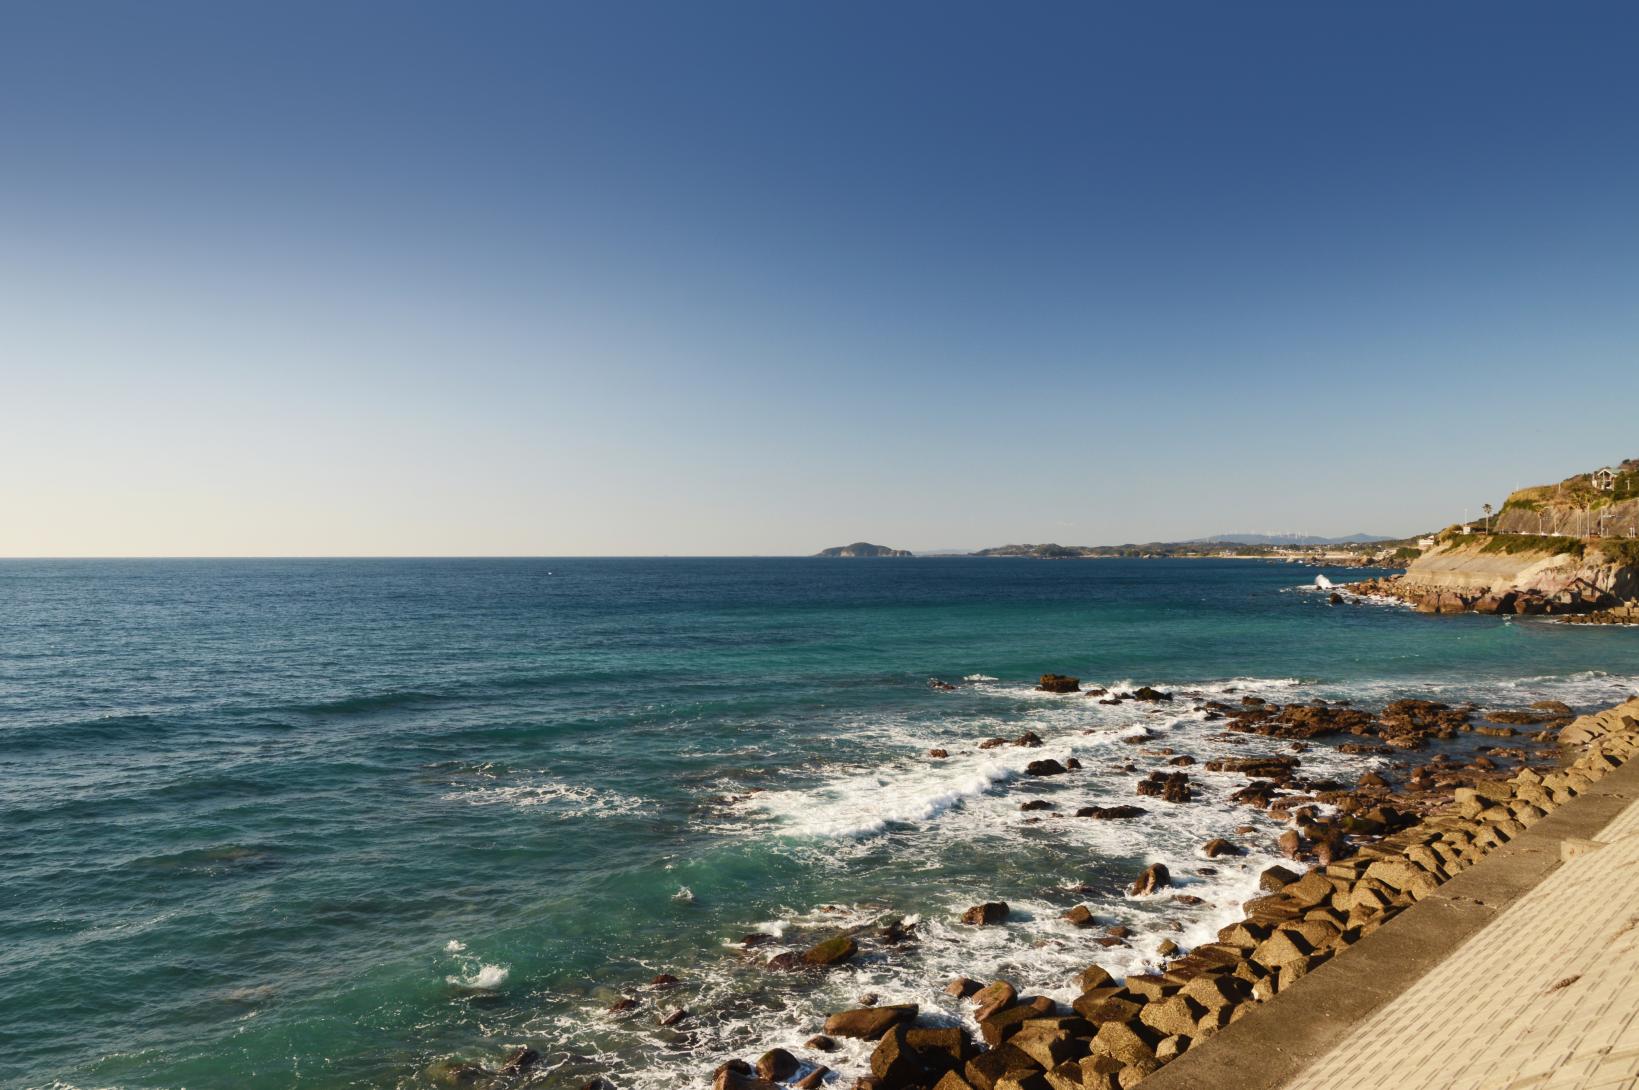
(988,1069)
(1046,1045)
(1149,695)
(896,1064)
(1035,804)
(869,1023)
(1058,683)
(814,1079)
(1094,977)
(1217,846)
(993,997)
(1154,877)
(1004,1023)
(1099,1008)
(777,1065)
(819,1042)
(943,1048)
(987,914)
(1048,767)
(1177,1015)
(833,951)
(1125,1042)
(1276,877)
(962,987)
(739,1077)
(1080,916)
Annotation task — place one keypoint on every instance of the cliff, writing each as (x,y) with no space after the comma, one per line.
(1517,573)
(862,548)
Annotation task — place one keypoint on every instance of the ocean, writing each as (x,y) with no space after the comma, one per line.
(347,823)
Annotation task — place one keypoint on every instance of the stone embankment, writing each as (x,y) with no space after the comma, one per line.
(1378,853)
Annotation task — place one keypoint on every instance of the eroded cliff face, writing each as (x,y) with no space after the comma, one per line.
(1511,574)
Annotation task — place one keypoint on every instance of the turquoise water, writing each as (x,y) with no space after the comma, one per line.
(326,823)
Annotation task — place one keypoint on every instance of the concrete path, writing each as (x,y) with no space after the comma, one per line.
(1521,973)
(1545,997)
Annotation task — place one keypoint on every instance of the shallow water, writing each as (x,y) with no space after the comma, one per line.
(324,823)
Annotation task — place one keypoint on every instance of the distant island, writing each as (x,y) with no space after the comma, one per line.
(862,548)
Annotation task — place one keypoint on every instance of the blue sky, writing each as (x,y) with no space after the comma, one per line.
(565,279)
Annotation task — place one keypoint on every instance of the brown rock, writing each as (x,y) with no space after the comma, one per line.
(1111,813)
(987,914)
(1058,683)
(987,1069)
(1080,916)
(1154,877)
(869,1023)
(1094,977)
(833,951)
(777,1065)
(1276,877)
(1177,1015)
(1217,846)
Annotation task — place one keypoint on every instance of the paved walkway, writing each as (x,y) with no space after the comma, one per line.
(1462,991)
(1544,997)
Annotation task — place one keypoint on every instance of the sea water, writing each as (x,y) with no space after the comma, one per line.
(337,823)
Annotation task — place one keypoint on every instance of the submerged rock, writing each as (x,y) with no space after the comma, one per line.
(1111,813)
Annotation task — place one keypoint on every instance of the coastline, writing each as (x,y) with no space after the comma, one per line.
(1378,853)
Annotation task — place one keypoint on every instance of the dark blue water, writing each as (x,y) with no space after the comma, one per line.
(338,823)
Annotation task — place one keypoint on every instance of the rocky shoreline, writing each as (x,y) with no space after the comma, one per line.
(1355,855)
(1359,855)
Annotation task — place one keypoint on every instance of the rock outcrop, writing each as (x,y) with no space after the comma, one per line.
(1510,573)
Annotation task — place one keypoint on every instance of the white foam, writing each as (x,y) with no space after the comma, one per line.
(487,977)
(564,799)
(454,946)
(1322,583)
(865,805)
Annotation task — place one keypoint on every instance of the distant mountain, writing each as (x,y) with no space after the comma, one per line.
(1288,539)
(861,548)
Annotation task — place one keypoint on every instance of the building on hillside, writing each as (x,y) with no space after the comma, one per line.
(1604,480)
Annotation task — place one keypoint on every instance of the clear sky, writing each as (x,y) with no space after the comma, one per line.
(763,277)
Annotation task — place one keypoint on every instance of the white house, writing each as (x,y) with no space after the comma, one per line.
(1604,480)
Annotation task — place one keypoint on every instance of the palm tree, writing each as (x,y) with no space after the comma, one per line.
(1486,507)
